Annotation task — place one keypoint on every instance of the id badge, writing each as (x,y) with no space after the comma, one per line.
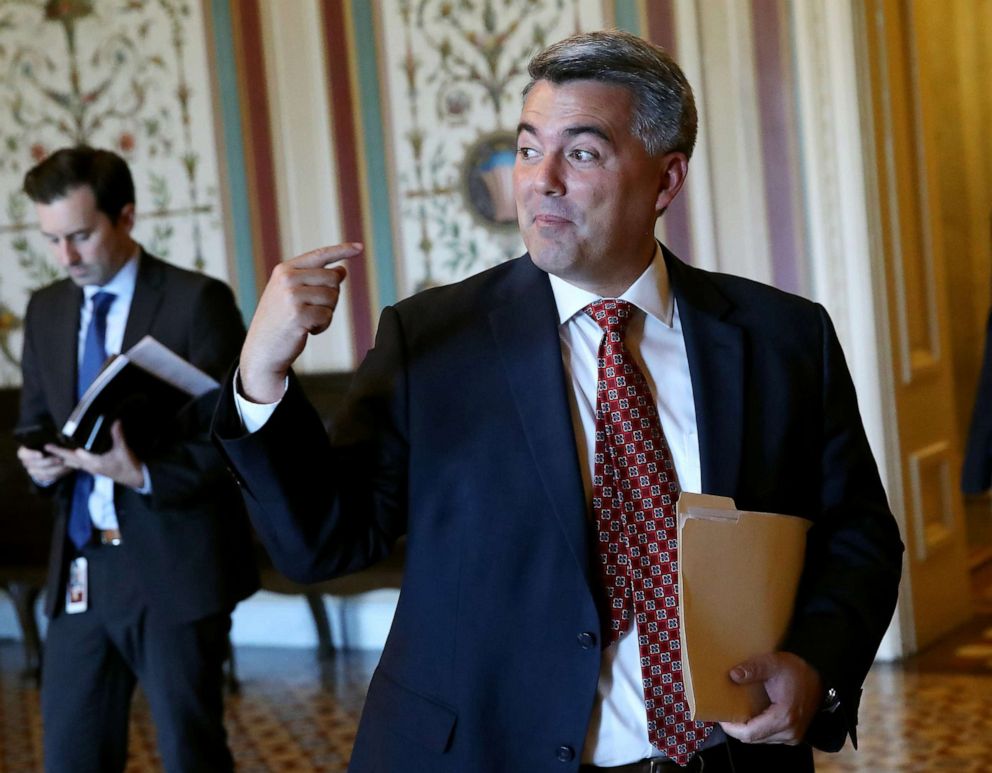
(77,588)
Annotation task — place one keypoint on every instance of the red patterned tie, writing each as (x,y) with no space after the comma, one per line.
(634,494)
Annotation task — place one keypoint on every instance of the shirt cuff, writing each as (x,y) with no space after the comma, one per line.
(254,415)
(146,486)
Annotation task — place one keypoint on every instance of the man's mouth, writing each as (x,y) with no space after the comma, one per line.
(547,219)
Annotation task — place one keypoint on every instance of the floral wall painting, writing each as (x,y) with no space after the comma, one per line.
(129,75)
(453,73)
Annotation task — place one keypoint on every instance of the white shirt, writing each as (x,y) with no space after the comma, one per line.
(102,511)
(618,727)
(618,731)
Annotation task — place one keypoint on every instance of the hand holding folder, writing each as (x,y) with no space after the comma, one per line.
(148,378)
(738,577)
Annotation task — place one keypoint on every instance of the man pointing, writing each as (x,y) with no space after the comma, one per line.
(529,430)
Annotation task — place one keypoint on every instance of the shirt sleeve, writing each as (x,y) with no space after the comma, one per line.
(254,415)
(146,485)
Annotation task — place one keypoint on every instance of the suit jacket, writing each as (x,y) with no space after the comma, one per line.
(976,475)
(458,434)
(189,542)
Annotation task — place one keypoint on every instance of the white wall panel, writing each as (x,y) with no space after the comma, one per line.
(309,209)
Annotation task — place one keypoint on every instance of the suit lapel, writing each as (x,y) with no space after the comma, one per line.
(526,332)
(146,301)
(64,360)
(715,349)
(525,327)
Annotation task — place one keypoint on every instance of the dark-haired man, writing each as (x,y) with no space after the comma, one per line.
(150,551)
(529,430)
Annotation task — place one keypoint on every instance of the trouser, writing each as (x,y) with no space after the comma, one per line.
(728,757)
(93,660)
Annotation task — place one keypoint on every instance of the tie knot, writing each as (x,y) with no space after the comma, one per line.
(610,314)
(101,304)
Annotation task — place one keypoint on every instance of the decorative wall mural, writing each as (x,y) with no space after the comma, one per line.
(454,72)
(130,75)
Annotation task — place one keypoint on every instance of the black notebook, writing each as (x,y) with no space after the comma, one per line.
(148,377)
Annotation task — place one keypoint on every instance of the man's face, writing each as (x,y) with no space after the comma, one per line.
(587,192)
(83,240)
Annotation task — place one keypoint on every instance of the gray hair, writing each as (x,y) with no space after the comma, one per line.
(664,109)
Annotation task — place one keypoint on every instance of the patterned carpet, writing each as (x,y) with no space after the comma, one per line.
(294,713)
(920,722)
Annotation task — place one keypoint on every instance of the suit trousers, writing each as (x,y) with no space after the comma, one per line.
(93,660)
(731,756)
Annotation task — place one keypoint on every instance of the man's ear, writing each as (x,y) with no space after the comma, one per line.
(673,168)
(125,218)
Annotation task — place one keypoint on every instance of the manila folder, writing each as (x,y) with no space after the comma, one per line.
(738,577)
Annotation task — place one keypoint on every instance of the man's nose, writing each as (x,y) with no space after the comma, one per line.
(548,178)
(67,253)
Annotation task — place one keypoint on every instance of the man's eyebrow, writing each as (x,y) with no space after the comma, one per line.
(575,131)
(85,229)
(571,131)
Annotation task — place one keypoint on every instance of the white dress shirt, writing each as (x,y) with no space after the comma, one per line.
(618,732)
(102,511)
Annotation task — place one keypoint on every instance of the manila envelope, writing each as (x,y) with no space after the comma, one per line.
(738,577)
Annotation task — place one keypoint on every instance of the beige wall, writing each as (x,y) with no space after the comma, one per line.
(961,56)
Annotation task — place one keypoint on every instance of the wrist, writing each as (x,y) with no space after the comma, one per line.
(263,387)
(134,477)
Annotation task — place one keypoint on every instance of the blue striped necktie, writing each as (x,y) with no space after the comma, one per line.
(94,355)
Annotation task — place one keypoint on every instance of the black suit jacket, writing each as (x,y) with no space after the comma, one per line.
(458,434)
(189,541)
(976,475)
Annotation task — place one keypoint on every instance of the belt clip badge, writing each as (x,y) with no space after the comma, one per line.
(77,589)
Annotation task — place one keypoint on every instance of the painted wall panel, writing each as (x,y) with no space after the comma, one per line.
(133,78)
(452,76)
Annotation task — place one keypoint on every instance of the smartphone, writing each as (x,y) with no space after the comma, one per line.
(35,437)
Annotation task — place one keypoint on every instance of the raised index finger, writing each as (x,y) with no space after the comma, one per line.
(322,256)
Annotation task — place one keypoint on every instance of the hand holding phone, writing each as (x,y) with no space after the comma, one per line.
(43,467)
(36,436)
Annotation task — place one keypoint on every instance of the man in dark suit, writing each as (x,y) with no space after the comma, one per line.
(976,472)
(151,548)
(529,429)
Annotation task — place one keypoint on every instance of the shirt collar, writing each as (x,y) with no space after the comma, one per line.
(651,292)
(121,284)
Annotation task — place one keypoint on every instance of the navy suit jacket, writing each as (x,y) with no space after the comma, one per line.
(192,554)
(976,474)
(458,434)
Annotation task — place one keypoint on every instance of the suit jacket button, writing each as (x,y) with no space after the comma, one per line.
(566,754)
(587,640)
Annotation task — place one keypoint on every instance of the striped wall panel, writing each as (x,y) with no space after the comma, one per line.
(369,197)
